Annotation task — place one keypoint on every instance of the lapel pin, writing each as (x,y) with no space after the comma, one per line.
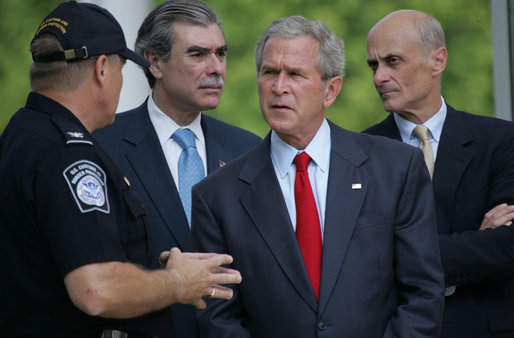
(221,163)
(356,186)
(126,181)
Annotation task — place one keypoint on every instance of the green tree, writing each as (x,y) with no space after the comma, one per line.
(18,23)
(467,81)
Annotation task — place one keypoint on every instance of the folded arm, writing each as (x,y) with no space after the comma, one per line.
(486,255)
(501,214)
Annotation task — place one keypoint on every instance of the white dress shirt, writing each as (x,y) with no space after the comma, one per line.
(434,125)
(282,156)
(165,127)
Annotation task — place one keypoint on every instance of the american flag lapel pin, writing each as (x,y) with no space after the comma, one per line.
(221,163)
(356,186)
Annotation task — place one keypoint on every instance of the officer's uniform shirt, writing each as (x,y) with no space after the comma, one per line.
(64,205)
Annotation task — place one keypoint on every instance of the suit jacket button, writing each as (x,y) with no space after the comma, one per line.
(322,325)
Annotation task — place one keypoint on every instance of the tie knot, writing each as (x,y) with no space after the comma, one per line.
(302,161)
(184,137)
(421,132)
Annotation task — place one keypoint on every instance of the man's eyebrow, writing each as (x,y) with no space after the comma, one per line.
(268,67)
(294,69)
(199,49)
(392,55)
(371,61)
(386,57)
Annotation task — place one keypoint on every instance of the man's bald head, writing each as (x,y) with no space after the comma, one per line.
(415,25)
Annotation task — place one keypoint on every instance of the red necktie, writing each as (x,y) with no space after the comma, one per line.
(308,230)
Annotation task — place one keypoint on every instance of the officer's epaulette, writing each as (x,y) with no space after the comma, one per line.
(71,131)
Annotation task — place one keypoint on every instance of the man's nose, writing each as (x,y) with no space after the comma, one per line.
(216,64)
(280,86)
(380,76)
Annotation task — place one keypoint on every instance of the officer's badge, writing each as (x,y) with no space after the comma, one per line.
(87,183)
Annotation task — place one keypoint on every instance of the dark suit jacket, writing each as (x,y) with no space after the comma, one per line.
(134,146)
(474,171)
(381,274)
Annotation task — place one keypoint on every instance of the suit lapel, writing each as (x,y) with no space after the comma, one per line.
(156,178)
(264,202)
(389,128)
(451,162)
(217,156)
(344,203)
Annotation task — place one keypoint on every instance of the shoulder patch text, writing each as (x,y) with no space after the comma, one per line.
(87,183)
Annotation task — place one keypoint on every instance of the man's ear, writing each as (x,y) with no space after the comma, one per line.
(101,69)
(332,89)
(439,57)
(155,67)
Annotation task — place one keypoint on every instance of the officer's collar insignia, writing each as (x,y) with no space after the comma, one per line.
(72,137)
(75,134)
(87,182)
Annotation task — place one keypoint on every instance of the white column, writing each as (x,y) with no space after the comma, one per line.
(503,59)
(130,14)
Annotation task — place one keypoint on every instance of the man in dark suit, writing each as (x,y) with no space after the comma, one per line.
(473,176)
(333,231)
(185,45)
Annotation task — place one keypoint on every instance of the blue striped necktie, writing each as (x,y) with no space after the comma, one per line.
(190,167)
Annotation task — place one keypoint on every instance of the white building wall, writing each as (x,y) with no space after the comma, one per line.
(503,60)
(130,14)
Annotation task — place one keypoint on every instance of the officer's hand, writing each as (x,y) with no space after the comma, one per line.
(163,259)
(200,274)
(165,255)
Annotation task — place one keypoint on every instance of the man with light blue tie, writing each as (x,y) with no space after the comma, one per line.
(166,145)
(190,167)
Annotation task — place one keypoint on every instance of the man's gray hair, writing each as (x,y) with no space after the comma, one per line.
(330,61)
(430,32)
(155,34)
(59,75)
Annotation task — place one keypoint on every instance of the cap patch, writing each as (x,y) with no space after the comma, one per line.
(84,30)
(56,22)
(87,182)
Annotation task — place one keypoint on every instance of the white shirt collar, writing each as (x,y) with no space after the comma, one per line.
(434,124)
(165,126)
(318,149)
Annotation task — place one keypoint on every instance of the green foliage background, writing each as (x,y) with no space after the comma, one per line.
(467,81)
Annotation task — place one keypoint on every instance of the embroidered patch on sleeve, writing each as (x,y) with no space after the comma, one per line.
(87,183)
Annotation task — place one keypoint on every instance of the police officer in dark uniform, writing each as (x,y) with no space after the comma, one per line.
(73,236)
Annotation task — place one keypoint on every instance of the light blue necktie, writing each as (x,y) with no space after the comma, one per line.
(190,167)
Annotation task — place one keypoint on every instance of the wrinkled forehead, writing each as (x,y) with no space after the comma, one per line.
(397,26)
(298,50)
(392,38)
(186,34)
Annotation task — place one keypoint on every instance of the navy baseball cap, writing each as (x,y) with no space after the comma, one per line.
(85,30)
